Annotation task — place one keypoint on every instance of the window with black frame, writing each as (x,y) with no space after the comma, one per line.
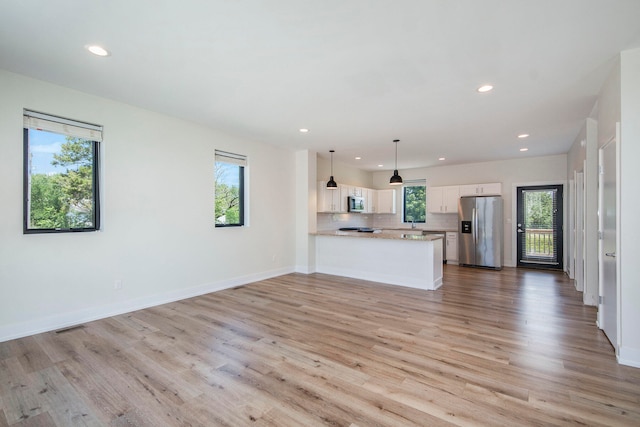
(414,201)
(229,189)
(60,174)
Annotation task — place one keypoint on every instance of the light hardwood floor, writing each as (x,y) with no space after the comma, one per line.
(515,347)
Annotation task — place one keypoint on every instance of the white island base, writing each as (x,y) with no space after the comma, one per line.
(416,263)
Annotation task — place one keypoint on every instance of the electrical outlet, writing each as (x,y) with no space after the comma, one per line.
(117,284)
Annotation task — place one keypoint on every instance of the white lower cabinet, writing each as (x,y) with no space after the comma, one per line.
(452,247)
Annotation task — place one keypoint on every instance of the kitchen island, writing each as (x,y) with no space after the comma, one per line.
(401,258)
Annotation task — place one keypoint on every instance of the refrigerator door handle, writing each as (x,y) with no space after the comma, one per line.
(474,219)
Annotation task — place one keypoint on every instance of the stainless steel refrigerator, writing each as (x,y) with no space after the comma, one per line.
(481,229)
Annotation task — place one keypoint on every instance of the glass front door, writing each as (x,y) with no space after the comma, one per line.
(539,226)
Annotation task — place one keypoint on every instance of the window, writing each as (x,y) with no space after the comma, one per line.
(229,189)
(414,201)
(60,174)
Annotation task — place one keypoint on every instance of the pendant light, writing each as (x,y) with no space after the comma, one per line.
(332,185)
(396,179)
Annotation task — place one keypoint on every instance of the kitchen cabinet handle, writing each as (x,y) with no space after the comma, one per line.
(610,254)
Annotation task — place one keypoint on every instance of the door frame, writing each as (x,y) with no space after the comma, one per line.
(570,250)
(578,249)
(599,321)
(511,223)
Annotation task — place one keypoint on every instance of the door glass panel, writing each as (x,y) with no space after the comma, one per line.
(540,226)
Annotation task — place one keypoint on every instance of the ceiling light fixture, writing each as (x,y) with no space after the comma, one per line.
(523,135)
(358,158)
(97,50)
(485,88)
(304,130)
(396,179)
(524,149)
(380,166)
(441,158)
(332,185)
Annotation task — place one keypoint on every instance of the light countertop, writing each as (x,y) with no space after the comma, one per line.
(400,235)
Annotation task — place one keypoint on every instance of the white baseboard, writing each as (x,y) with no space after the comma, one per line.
(305,269)
(629,356)
(65,320)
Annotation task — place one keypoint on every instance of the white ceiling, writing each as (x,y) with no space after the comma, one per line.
(357,73)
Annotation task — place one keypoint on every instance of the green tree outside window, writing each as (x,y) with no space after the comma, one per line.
(415,203)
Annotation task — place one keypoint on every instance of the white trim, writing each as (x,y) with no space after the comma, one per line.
(514,215)
(619,253)
(305,269)
(422,182)
(232,158)
(629,356)
(72,128)
(64,320)
(618,318)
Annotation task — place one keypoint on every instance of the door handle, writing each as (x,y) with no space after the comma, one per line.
(474,217)
(520,230)
(611,254)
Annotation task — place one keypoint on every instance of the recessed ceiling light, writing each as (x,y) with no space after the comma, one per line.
(441,158)
(524,149)
(485,88)
(304,130)
(97,50)
(380,166)
(523,135)
(358,158)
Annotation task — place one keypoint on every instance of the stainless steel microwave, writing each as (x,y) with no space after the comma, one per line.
(356,204)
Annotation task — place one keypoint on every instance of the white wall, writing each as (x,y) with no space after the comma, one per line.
(158,235)
(583,157)
(629,233)
(342,173)
(528,170)
(619,101)
(306,207)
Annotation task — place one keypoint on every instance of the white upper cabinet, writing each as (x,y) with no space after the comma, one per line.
(443,199)
(370,200)
(355,191)
(386,201)
(332,200)
(336,201)
(343,203)
(490,189)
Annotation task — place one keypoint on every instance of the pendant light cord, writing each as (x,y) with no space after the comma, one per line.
(396,142)
(331,162)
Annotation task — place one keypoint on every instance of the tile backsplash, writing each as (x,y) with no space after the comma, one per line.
(328,221)
(434,222)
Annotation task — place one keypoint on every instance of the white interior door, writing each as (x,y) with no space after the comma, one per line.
(571,259)
(579,243)
(608,307)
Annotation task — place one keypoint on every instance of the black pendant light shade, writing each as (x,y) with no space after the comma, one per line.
(331,184)
(396,179)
